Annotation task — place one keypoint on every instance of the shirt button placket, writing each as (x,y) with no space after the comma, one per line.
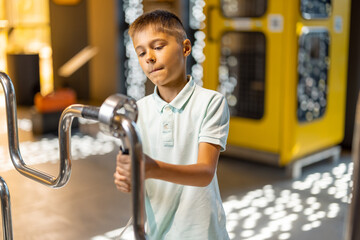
(167,126)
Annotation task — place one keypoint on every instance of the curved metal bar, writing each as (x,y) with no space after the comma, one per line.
(124,128)
(116,104)
(121,127)
(6,210)
(66,118)
(132,140)
(14,150)
(352,231)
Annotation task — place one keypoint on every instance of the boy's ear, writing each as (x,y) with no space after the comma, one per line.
(186,47)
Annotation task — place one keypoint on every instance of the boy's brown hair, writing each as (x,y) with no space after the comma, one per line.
(162,21)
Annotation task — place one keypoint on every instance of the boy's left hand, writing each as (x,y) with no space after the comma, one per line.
(122,175)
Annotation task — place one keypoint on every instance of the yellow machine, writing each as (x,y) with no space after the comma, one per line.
(283,68)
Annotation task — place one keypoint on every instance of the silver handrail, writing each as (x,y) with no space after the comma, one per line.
(118,114)
(117,117)
(6,210)
(14,150)
(352,227)
(138,173)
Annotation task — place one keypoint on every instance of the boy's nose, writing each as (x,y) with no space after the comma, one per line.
(150,58)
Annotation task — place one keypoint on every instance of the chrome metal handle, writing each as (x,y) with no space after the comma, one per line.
(6,211)
(14,150)
(132,140)
(352,231)
(117,117)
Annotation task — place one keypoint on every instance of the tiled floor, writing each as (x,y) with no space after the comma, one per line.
(259,200)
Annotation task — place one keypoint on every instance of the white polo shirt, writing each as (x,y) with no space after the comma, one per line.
(171,132)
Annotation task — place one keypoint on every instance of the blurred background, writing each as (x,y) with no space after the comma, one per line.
(290,73)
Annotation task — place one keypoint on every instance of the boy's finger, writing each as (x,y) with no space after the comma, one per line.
(122,183)
(124,169)
(122,189)
(122,186)
(120,177)
(125,159)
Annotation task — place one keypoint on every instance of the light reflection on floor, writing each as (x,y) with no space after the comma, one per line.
(46,149)
(272,212)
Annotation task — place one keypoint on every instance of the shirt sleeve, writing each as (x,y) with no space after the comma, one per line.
(215,125)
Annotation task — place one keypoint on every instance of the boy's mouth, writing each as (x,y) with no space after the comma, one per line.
(156,69)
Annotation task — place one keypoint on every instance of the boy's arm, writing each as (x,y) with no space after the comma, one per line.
(199,174)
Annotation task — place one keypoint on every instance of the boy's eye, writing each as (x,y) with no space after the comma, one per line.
(158,47)
(141,54)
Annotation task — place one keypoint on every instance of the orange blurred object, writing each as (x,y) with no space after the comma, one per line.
(55,101)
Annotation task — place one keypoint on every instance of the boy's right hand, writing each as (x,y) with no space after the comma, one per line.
(122,175)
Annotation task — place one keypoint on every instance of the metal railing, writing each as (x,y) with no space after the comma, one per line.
(117,116)
(352,227)
(13,139)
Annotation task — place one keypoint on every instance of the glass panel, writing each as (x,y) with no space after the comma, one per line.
(313,66)
(243,8)
(242,73)
(311,9)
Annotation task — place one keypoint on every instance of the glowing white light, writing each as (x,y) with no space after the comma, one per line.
(310,200)
(249,224)
(47,149)
(308,211)
(293,203)
(285,207)
(306,227)
(331,190)
(334,206)
(278,215)
(247,211)
(231,225)
(279,207)
(315,224)
(269,211)
(320,214)
(135,78)
(312,217)
(316,205)
(232,235)
(332,214)
(284,236)
(298,208)
(232,216)
(315,190)
(25,125)
(247,233)
(286,227)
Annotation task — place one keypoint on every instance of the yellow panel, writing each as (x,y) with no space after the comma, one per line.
(279,131)
(260,134)
(300,139)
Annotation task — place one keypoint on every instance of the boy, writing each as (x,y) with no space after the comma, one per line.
(183,128)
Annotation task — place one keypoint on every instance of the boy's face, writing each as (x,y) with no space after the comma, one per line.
(161,56)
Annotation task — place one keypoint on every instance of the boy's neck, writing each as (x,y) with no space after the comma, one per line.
(168,93)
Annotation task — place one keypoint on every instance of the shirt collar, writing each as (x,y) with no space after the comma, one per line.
(180,100)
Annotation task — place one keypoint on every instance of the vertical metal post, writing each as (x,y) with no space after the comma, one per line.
(5,210)
(352,228)
(132,140)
